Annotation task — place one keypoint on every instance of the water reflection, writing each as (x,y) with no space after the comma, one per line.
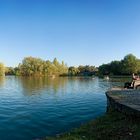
(34,85)
(57,106)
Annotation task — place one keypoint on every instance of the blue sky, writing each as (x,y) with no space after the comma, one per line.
(83,32)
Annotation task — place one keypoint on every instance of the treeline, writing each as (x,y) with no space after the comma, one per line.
(128,65)
(82,71)
(31,66)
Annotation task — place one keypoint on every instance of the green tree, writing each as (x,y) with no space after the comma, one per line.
(63,69)
(104,69)
(37,67)
(130,64)
(115,68)
(31,66)
(73,71)
(2,69)
(87,70)
(9,71)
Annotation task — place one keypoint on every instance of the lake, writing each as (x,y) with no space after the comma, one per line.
(37,107)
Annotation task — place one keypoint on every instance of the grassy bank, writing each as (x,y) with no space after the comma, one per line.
(112,126)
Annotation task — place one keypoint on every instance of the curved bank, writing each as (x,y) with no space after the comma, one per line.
(124,100)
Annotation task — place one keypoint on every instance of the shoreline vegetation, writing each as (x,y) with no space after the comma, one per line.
(32,66)
(111,126)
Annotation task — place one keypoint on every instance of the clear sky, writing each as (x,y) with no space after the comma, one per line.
(77,31)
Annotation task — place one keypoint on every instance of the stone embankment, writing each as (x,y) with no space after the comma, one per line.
(126,101)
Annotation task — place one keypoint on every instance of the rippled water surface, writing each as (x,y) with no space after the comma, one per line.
(37,107)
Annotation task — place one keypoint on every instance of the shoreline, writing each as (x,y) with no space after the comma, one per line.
(111,126)
(115,124)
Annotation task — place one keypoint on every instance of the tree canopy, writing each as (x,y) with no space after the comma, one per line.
(31,66)
(2,69)
(130,64)
(82,70)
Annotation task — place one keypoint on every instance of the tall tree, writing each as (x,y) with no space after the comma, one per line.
(130,64)
(31,66)
(38,67)
(72,71)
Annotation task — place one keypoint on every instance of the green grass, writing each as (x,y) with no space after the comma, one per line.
(112,126)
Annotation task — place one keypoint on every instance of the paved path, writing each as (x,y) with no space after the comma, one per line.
(127,101)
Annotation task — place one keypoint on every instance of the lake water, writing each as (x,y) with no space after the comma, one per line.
(37,107)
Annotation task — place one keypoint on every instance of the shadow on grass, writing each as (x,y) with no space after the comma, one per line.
(112,126)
